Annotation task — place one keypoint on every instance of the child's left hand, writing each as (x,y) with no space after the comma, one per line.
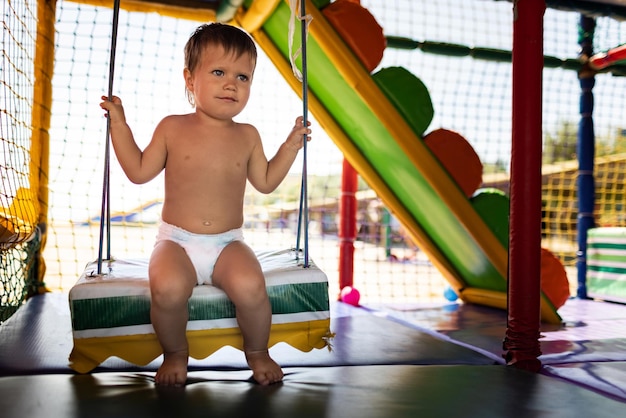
(295,140)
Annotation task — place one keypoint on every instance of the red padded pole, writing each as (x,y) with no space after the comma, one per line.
(524,301)
(347,224)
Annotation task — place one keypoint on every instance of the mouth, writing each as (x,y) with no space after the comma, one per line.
(228,99)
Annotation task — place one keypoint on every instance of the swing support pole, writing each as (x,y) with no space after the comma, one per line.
(105,211)
(303,218)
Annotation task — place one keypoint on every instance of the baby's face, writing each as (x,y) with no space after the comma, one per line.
(221,82)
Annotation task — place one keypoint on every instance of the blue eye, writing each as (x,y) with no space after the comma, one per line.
(218,72)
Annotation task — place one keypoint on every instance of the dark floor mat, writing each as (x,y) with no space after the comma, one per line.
(38,340)
(343,391)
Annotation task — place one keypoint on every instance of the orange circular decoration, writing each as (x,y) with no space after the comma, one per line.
(554,283)
(359,29)
(458,157)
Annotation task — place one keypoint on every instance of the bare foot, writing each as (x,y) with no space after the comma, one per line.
(173,371)
(265,371)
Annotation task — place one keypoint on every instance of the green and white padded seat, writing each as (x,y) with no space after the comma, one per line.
(111,311)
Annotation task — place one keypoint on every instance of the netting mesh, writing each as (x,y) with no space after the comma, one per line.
(19,275)
(471,94)
(18,215)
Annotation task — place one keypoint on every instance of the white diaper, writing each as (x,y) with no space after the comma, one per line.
(202,249)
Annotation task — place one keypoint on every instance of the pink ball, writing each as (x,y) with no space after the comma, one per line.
(350,295)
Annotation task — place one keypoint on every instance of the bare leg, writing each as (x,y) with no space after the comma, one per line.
(172,279)
(238,273)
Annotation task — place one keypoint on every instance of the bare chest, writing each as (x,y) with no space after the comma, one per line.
(201,157)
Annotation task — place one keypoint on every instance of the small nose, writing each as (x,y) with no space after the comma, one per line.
(230,83)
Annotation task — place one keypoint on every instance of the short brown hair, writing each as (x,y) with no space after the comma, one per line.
(231,38)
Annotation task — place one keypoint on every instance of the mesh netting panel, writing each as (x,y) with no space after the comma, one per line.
(18,214)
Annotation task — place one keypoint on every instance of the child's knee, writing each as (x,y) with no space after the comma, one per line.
(170,292)
(250,293)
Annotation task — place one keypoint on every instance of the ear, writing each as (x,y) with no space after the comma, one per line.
(188,79)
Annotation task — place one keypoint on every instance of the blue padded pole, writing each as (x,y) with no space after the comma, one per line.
(586,153)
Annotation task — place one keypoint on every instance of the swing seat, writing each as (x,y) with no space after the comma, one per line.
(110,312)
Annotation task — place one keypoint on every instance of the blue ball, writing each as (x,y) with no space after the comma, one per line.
(450,294)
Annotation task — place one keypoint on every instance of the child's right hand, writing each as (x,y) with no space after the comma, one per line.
(114,108)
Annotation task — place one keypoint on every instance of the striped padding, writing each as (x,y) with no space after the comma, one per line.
(118,301)
(606,263)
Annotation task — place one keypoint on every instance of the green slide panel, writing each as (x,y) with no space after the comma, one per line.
(387,158)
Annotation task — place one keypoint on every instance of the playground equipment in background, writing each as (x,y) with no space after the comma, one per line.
(606,59)
(443,215)
(380,128)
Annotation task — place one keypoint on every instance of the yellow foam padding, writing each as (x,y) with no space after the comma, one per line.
(17,222)
(141,349)
(499,300)
(191,11)
(257,14)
